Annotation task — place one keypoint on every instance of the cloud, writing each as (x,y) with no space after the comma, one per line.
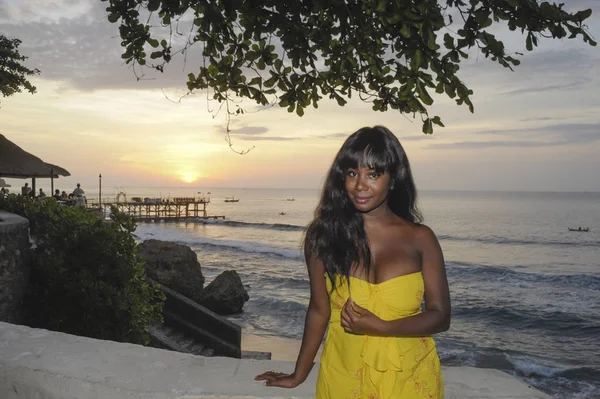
(247,131)
(576,84)
(253,133)
(335,136)
(565,67)
(543,136)
(417,137)
(487,144)
(83,49)
(331,136)
(268,138)
(542,118)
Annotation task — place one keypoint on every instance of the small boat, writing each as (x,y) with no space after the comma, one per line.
(290,199)
(231,199)
(585,229)
(282,213)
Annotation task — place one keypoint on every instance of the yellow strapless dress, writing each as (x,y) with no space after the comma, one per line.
(370,367)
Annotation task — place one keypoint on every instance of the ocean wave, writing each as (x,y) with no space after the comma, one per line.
(269,226)
(485,272)
(250,247)
(287,282)
(499,240)
(562,382)
(523,319)
(269,306)
(580,373)
(195,241)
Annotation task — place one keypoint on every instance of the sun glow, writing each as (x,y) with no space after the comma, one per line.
(188,176)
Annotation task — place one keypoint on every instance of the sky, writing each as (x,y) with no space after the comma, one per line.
(534,129)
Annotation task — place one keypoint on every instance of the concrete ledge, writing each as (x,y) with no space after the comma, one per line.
(47,365)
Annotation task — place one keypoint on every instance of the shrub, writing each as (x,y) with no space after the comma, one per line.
(86,274)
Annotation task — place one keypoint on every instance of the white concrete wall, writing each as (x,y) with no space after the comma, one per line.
(41,364)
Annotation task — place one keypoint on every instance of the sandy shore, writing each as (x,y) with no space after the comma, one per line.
(280,348)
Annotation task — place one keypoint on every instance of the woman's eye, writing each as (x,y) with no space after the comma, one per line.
(352,173)
(374,175)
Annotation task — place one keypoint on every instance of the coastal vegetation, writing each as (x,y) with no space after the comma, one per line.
(393,54)
(87,277)
(13,74)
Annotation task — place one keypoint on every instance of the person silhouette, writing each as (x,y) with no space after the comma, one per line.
(78,192)
(26,190)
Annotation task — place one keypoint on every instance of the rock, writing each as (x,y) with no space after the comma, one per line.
(225,294)
(173,265)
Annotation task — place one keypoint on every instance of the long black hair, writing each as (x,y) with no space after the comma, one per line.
(336,236)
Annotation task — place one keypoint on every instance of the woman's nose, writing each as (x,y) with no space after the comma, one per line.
(361,183)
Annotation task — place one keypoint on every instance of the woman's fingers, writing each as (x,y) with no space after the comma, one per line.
(268,375)
(347,318)
(277,379)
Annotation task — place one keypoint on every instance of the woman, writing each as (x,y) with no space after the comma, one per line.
(370,264)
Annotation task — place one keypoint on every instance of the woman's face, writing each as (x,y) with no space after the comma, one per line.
(367,189)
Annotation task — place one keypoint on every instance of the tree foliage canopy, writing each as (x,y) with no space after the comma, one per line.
(393,53)
(12,72)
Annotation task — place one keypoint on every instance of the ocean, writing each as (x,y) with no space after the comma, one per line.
(525,290)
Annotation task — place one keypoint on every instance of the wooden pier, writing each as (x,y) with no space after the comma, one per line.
(157,209)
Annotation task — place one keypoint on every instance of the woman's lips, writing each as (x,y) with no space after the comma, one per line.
(362,200)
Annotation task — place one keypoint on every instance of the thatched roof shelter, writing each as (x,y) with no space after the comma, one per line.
(18,163)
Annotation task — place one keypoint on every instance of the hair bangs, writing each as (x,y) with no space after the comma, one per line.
(367,151)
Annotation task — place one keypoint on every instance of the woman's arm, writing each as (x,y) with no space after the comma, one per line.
(315,324)
(435,318)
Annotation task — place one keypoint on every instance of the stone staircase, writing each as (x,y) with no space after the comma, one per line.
(191,328)
(167,337)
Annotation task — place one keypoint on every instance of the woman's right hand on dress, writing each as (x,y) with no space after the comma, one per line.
(277,379)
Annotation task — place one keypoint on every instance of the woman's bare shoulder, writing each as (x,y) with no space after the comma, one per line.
(423,235)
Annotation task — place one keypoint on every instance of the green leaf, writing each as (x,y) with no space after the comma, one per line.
(582,15)
(417,60)
(427,126)
(423,95)
(153,42)
(113,17)
(448,41)
(153,5)
(405,31)
(437,121)
(340,100)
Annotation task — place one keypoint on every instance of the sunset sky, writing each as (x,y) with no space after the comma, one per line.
(537,128)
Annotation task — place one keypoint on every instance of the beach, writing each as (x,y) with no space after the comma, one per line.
(280,348)
(525,290)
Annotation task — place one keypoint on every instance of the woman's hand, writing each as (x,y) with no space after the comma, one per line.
(358,320)
(277,379)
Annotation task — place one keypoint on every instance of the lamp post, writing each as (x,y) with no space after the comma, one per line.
(100,190)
